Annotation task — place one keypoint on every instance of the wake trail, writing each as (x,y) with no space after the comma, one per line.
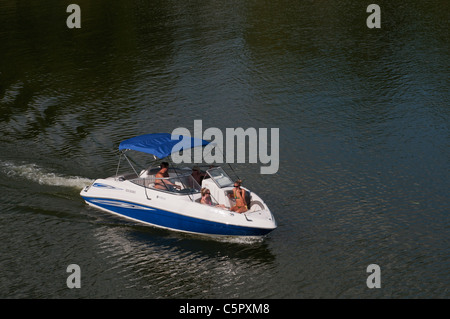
(35,173)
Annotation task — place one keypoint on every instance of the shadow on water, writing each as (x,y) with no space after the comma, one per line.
(209,246)
(166,264)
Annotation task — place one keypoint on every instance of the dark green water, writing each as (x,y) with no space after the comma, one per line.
(364,154)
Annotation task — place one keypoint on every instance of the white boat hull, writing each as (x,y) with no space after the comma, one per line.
(174,211)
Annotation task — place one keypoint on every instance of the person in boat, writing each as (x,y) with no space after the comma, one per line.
(198,175)
(163,173)
(239,196)
(206,198)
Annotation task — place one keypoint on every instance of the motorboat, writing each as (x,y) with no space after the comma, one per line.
(173,202)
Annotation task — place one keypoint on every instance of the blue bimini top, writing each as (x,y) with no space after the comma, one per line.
(161,144)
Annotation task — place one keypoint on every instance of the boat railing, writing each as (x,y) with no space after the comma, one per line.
(180,184)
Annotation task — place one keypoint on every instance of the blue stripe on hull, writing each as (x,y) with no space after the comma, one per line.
(171,220)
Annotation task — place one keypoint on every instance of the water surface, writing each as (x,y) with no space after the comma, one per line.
(364,144)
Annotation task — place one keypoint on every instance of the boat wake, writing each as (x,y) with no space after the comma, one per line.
(42,176)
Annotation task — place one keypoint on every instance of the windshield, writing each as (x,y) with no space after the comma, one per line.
(181,184)
(219,176)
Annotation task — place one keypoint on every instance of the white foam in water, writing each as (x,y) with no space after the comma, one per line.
(39,175)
